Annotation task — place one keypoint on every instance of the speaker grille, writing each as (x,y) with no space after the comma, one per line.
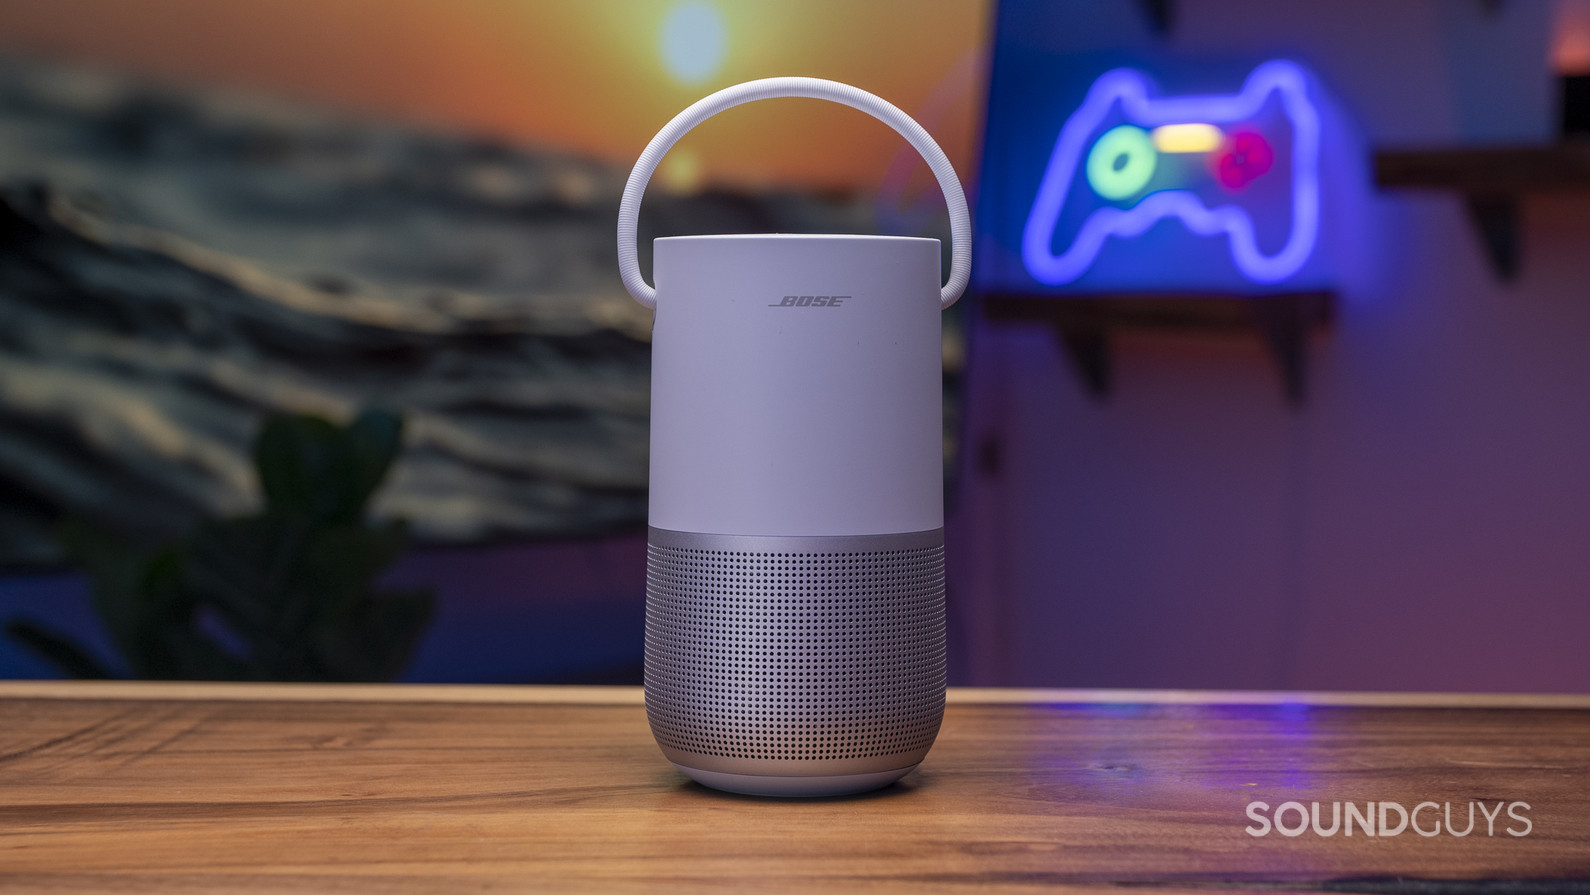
(795,654)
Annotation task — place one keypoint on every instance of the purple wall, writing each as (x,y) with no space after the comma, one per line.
(1421,522)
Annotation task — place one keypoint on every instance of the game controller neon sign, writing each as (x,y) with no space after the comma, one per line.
(1118,164)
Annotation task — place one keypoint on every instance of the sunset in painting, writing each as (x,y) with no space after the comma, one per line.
(593,78)
(315,206)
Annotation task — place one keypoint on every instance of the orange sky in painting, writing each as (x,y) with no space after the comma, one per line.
(585,76)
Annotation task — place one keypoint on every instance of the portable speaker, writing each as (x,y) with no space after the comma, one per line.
(795,578)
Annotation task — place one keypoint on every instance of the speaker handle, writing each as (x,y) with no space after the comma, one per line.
(810,88)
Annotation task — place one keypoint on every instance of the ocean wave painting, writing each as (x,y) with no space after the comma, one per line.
(175,263)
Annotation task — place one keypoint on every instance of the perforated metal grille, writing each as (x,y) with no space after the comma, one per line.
(795,655)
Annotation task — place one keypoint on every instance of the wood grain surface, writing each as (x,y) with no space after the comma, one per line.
(186,788)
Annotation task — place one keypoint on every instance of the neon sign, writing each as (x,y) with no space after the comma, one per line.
(1118,164)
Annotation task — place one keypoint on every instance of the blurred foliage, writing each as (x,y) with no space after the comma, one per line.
(285,594)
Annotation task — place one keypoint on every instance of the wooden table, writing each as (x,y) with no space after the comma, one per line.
(177,788)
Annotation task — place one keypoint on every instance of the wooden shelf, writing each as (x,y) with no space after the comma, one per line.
(1084,324)
(1491,181)
(1501,169)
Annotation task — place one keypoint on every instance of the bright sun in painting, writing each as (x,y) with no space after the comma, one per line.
(692,41)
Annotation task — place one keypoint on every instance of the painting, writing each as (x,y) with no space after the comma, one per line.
(210,213)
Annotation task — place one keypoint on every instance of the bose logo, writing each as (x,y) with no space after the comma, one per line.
(811,301)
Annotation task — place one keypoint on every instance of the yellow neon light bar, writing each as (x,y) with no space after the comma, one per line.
(1186,137)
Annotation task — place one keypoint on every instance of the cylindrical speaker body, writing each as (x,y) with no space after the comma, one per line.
(795,592)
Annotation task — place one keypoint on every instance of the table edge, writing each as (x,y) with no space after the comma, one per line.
(520,694)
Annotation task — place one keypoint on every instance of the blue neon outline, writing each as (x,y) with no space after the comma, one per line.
(1131,89)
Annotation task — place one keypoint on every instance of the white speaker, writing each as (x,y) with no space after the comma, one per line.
(795,579)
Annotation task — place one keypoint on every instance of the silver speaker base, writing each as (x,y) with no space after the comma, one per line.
(795,666)
(794,787)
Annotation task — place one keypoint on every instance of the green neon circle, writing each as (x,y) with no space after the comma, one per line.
(1121,162)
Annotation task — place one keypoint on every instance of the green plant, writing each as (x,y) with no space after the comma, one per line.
(285,594)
